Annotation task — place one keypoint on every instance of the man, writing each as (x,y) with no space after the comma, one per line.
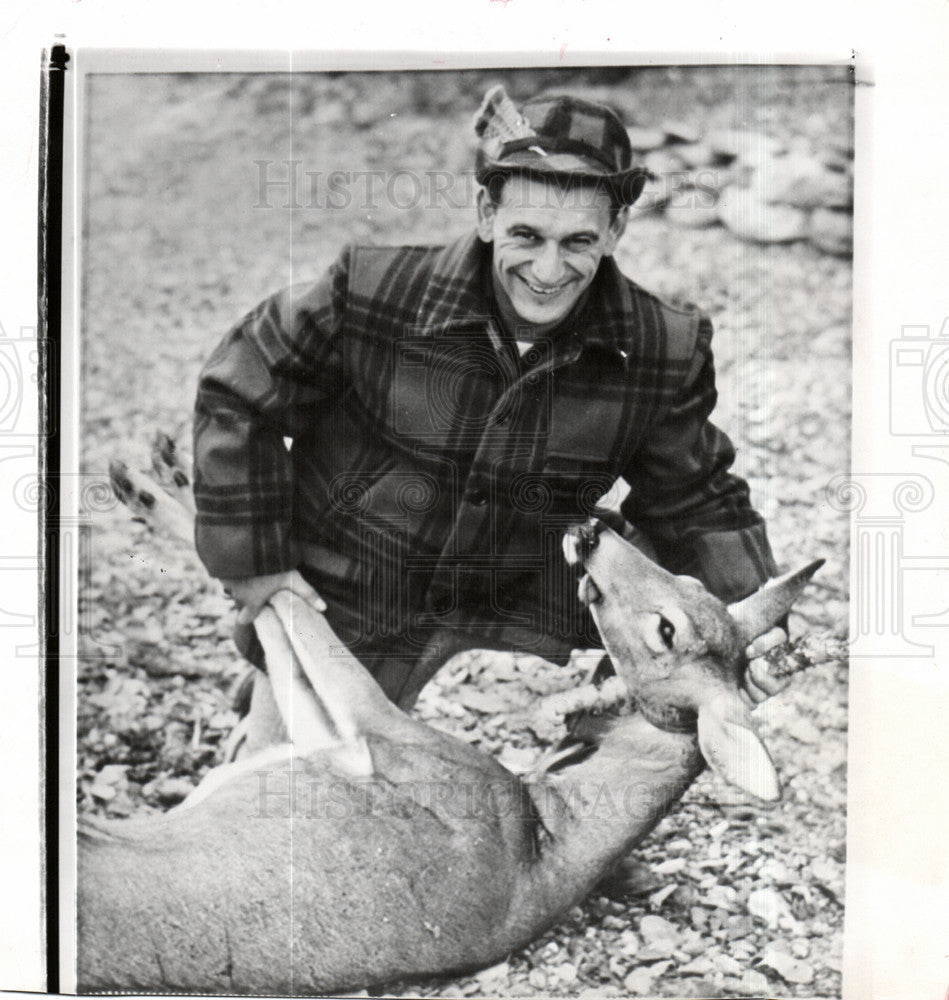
(453,409)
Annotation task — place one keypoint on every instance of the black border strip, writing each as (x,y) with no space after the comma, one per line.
(52,98)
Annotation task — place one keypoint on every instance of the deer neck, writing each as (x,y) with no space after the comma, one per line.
(596,811)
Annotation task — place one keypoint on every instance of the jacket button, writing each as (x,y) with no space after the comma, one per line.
(478,497)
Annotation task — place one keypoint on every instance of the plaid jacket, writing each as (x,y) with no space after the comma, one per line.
(433,470)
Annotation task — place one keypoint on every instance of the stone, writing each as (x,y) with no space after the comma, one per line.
(768,905)
(639,981)
(645,139)
(663,161)
(688,209)
(747,216)
(678,131)
(831,230)
(746,145)
(537,979)
(753,984)
(803,181)
(789,968)
(660,938)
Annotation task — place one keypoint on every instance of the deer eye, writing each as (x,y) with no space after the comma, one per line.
(667,631)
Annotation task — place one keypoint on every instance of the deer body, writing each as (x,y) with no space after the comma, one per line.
(297,878)
(376,848)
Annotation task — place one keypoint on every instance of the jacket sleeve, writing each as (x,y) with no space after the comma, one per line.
(261,385)
(683,497)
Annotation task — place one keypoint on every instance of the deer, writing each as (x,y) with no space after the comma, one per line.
(364,847)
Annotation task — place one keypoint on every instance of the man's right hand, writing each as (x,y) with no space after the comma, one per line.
(252,592)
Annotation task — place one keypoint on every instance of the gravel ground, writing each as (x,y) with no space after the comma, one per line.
(183,234)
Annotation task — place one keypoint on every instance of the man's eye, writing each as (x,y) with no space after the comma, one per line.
(523,235)
(580,243)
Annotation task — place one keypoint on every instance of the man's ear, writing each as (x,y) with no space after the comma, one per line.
(486,211)
(616,230)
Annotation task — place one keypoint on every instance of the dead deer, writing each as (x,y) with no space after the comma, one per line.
(373,848)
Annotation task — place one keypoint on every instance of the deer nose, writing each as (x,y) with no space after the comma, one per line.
(587,591)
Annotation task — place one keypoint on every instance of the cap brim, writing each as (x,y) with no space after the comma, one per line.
(625,186)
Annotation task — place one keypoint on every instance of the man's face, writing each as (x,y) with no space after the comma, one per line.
(548,243)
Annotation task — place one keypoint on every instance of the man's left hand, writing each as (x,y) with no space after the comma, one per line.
(759,682)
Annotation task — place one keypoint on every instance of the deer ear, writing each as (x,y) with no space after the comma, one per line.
(734,751)
(766,607)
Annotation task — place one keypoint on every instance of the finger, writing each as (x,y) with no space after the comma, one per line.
(746,698)
(248,613)
(756,694)
(759,674)
(763,643)
(302,589)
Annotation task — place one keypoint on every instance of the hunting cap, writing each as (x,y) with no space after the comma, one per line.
(560,138)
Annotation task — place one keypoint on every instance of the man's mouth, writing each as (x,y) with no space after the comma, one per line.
(544,290)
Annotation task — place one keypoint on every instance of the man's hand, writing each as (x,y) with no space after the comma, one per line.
(252,592)
(759,682)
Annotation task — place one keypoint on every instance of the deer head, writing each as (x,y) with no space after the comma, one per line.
(680,650)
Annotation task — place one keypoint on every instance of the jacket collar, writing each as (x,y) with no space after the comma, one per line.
(457,295)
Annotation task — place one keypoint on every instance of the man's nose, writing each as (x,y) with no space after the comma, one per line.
(548,265)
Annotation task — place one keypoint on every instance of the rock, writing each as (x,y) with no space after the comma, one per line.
(767,904)
(747,216)
(801,728)
(802,181)
(753,984)
(658,898)
(484,702)
(789,968)
(746,145)
(840,144)
(695,154)
(663,161)
(169,790)
(727,965)
(537,979)
(677,131)
(719,828)
(832,231)
(518,760)
(800,948)
(639,981)
(723,896)
(629,943)
(698,916)
(566,973)
(700,966)
(660,937)
(690,209)
(645,139)
(492,977)
(109,782)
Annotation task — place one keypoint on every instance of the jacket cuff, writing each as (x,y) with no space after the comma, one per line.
(231,552)
(734,564)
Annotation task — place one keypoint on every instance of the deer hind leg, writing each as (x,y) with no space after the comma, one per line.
(172,468)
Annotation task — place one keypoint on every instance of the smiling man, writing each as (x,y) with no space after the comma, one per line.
(453,409)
